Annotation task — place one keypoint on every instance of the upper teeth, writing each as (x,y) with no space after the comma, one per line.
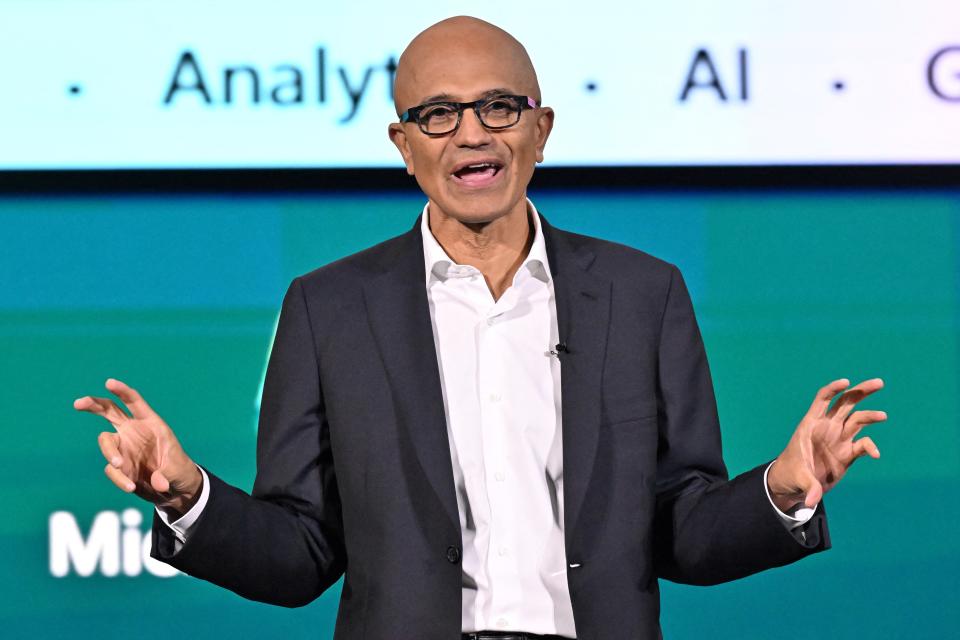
(478,166)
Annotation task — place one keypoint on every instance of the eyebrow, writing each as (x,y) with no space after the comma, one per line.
(447,97)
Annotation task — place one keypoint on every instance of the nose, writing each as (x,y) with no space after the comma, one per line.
(471,132)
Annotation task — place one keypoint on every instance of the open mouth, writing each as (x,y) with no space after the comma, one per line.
(478,174)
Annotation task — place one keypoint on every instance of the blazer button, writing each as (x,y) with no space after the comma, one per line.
(453,554)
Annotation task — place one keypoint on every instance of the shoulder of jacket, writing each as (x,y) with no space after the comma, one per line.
(357,267)
(616,259)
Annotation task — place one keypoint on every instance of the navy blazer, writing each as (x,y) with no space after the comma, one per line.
(354,475)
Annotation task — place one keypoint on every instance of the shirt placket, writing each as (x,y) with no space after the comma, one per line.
(496,422)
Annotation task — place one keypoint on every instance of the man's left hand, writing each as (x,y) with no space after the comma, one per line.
(823,446)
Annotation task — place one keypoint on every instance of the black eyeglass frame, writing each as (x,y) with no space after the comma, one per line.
(413,113)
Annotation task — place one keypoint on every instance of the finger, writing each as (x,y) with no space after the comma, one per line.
(822,400)
(865,447)
(137,405)
(859,419)
(117,477)
(159,482)
(109,449)
(104,407)
(844,405)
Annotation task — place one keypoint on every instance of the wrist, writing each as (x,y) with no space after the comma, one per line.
(184,496)
(782,495)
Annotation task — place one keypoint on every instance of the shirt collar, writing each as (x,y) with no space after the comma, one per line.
(439,266)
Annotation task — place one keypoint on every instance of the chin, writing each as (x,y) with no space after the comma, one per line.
(477,208)
(476,216)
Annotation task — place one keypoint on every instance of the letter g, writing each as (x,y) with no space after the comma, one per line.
(943,73)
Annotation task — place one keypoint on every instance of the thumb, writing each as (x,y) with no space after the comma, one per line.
(814,492)
(159,482)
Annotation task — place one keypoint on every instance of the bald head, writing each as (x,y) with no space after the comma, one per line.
(440,59)
(473,174)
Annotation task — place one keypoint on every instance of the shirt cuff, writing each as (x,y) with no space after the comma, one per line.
(800,515)
(182,525)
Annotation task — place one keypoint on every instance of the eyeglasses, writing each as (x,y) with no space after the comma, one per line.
(441,118)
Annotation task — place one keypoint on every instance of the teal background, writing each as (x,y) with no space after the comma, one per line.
(178,294)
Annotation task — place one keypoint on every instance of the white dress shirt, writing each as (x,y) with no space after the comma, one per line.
(501,393)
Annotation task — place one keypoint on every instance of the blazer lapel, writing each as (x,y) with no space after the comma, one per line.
(399,317)
(583,314)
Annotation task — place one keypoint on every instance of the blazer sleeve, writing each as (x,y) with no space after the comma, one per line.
(284,543)
(708,529)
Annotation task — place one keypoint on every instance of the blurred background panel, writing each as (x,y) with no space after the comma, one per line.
(167,169)
(299,83)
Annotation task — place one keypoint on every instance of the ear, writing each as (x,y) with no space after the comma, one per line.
(544,127)
(399,137)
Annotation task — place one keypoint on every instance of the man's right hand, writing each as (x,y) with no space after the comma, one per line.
(143,455)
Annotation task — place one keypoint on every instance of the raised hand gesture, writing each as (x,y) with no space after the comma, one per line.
(143,455)
(824,446)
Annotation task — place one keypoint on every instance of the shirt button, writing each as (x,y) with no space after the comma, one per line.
(500,476)
(502,551)
(491,321)
(495,397)
(453,554)
(502,623)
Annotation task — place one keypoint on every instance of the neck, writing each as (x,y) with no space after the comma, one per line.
(496,248)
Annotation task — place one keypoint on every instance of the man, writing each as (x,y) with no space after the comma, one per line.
(490,426)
